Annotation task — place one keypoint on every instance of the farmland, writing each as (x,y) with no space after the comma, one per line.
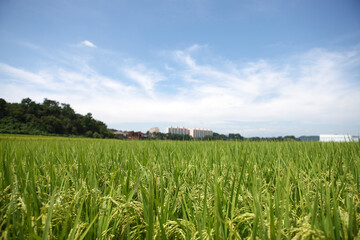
(77,188)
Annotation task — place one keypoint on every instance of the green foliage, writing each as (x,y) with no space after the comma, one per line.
(178,137)
(67,188)
(50,117)
(235,136)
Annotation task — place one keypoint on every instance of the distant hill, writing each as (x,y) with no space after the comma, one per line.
(309,138)
(50,117)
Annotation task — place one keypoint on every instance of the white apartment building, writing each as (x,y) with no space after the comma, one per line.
(193,132)
(154,130)
(178,130)
(200,133)
(335,138)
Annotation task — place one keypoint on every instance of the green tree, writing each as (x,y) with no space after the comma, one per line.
(3,110)
(48,117)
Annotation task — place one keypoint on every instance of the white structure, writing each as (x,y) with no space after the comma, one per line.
(120,133)
(154,130)
(200,133)
(178,130)
(335,138)
(194,132)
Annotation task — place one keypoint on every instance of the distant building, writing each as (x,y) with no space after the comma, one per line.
(335,138)
(200,133)
(135,135)
(119,133)
(193,132)
(309,138)
(178,130)
(154,130)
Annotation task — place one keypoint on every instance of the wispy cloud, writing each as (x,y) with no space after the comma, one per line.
(17,75)
(263,97)
(87,43)
(144,77)
(315,85)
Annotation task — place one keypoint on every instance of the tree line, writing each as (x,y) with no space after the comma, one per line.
(47,118)
(54,118)
(217,136)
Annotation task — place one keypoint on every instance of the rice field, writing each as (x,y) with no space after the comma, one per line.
(67,188)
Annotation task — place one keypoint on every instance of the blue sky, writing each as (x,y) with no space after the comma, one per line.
(258,68)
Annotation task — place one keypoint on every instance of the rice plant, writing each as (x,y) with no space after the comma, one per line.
(66,188)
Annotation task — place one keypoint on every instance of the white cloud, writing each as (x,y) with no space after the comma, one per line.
(16,74)
(145,78)
(196,47)
(316,86)
(88,44)
(319,87)
(169,68)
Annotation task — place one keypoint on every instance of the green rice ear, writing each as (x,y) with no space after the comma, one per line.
(67,188)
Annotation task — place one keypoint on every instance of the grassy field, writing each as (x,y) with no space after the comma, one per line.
(61,188)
